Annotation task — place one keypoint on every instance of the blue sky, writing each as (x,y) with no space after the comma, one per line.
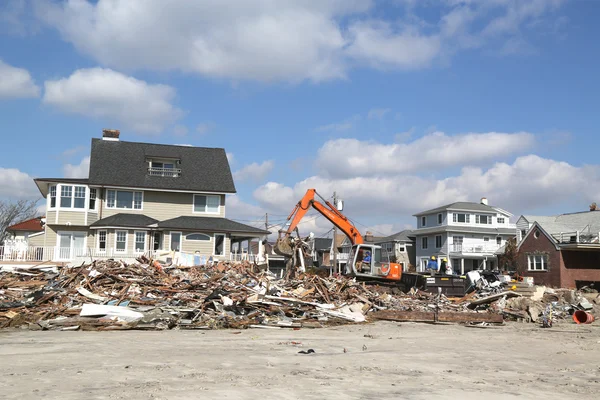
(398,105)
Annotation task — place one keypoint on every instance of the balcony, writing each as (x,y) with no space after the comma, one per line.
(467,249)
(171,172)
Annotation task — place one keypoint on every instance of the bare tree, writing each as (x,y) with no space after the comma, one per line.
(509,260)
(15,212)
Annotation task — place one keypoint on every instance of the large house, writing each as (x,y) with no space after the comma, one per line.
(562,250)
(399,248)
(469,235)
(142,198)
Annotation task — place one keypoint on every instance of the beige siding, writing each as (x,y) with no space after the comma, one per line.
(92,217)
(51,235)
(37,240)
(74,217)
(164,205)
(51,217)
(204,247)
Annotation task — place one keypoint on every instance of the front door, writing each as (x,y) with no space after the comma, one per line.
(70,245)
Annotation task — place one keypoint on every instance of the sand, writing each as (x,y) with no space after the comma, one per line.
(382,361)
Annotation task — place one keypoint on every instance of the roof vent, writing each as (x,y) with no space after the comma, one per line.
(110,134)
(484,201)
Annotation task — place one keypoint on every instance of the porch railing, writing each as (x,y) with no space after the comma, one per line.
(173,172)
(53,253)
(461,248)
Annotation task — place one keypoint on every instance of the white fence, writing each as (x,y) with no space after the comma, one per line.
(53,253)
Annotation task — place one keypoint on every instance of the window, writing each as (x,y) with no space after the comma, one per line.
(499,241)
(52,196)
(465,218)
(102,241)
(140,242)
(197,236)
(163,168)
(219,245)
(92,205)
(438,242)
(523,234)
(537,262)
(206,204)
(483,219)
(388,247)
(401,248)
(158,241)
(66,193)
(486,239)
(79,197)
(175,241)
(124,199)
(536,234)
(440,219)
(500,220)
(423,221)
(424,243)
(121,241)
(457,243)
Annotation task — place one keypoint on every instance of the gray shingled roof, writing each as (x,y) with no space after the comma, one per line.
(461,206)
(323,243)
(210,224)
(118,163)
(466,229)
(402,236)
(125,220)
(582,221)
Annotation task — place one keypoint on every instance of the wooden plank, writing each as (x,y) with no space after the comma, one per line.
(418,316)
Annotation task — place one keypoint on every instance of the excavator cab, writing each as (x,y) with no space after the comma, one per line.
(367,260)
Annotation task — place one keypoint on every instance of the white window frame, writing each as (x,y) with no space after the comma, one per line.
(466,221)
(114,207)
(206,207)
(531,262)
(478,219)
(61,197)
(401,248)
(55,187)
(98,240)
(126,240)
(135,242)
(215,244)
(424,220)
(499,240)
(197,240)
(500,220)
(171,240)
(161,240)
(436,241)
(89,195)
(486,239)
(424,243)
(440,218)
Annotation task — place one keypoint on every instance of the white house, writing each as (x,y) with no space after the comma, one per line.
(469,235)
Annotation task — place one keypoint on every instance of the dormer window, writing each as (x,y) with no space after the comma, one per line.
(163,167)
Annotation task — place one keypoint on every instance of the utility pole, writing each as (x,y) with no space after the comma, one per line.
(266,221)
(335,264)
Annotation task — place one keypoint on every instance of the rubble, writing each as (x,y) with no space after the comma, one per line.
(113,295)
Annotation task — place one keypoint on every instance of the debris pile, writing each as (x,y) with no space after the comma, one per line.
(112,295)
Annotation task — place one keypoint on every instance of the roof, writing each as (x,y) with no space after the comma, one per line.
(125,220)
(213,224)
(323,243)
(465,229)
(83,181)
(586,221)
(402,236)
(30,225)
(464,206)
(118,163)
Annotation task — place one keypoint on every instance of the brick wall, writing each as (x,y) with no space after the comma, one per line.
(531,245)
(580,266)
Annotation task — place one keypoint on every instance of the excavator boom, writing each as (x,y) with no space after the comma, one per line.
(283,246)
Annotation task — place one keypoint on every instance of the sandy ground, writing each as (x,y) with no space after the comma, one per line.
(408,361)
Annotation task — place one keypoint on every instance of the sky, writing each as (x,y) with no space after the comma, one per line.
(398,106)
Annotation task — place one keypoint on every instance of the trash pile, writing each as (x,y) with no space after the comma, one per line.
(112,295)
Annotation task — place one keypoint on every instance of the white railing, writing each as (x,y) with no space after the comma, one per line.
(342,256)
(53,253)
(577,237)
(243,257)
(27,253)
(461,248)
(173,172)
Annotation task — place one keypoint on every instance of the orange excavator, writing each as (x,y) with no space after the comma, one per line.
(364,261)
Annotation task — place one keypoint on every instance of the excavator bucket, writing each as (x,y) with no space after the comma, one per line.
(283,247)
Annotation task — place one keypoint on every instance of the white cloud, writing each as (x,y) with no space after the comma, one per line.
(80,170)
(72,151)
(280,40)
(16,184)
(430,152)
(343,126)
(378,113)
(16,82)
(254,172)
(107,94)
(205,127)
(230,158)
(180,130)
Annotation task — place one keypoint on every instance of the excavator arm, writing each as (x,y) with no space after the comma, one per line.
(338,219)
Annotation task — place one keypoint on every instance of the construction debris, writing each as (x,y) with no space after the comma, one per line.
(113,295)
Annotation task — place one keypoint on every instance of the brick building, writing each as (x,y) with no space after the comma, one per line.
(561,251)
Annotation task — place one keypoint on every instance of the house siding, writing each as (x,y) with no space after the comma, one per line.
(531,245)
(581,266)
(76,218)
(164,205)
(37,240)
(522,225)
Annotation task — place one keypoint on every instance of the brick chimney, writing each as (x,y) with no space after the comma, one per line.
(110,134)
(368,237)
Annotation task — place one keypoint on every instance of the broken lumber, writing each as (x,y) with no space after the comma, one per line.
(419,316)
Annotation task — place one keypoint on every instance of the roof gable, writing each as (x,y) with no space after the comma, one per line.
(30,225)
(530,233)
(125,164)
